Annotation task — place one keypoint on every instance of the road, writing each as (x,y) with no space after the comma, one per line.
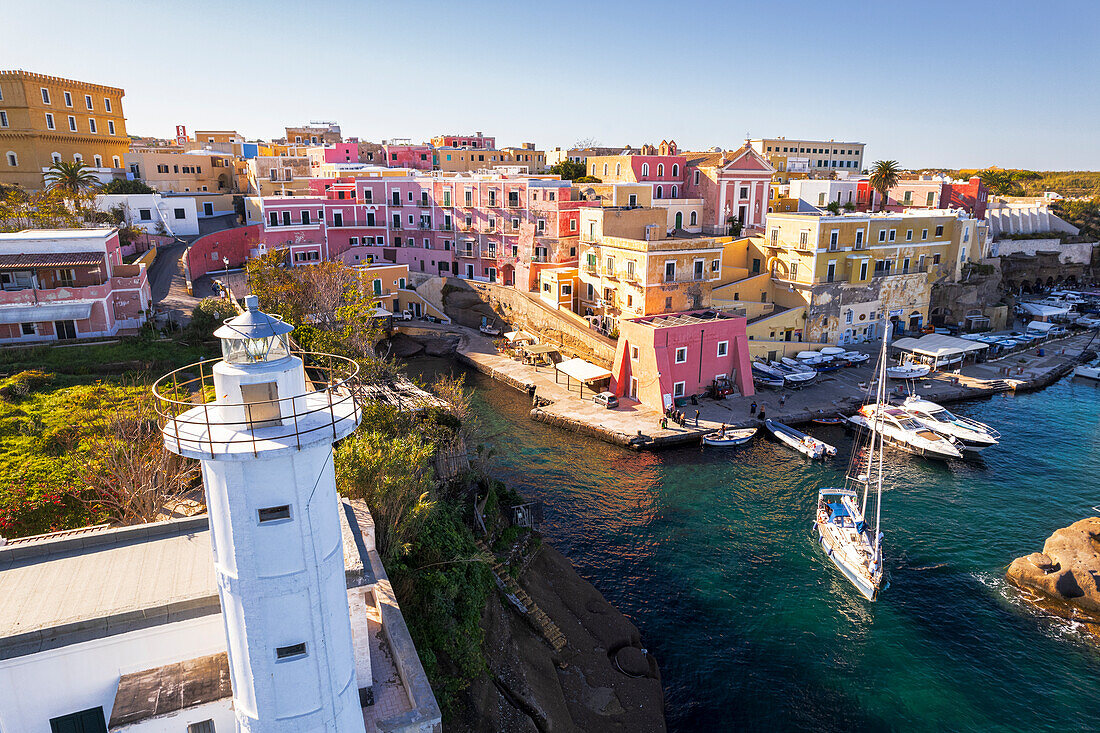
(166,279)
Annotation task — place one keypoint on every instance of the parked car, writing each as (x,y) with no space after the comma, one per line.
(607,399)
(403,316)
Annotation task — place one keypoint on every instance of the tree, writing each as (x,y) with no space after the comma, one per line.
(20,209)
(136,480)
(122,186)
(885,174)
(587,179)
(568,170)
(586,142)
(74,180)
(833,207)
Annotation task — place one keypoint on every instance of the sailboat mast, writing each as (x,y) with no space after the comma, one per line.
(882,391)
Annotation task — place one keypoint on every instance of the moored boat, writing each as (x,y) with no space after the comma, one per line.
(898,428)
(736,436)
(971,434)
(908,371)
(855,357)
(1088,371)
(801,442)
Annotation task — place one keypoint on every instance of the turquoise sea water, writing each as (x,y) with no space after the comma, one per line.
(710,553)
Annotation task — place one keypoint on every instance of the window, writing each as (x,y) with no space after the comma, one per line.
(145,214)
(45,95)
(695,178)
(660,191)
(939,231)
(681,355)
(49,122)
(715,265)
(660,170)
(670,272)
(882,235)
(273,219)
(305,216)
(633,200)
(744,192)
(91,126)
(907,198)
(908,235)
(634,353)
(645,169)
(203,726)
(572,225)
(286,218)
(179,213)
(98,161)
(923,234)
(803,238)
(848,316)
(72,124)
(273,513)
(13,160)
(86,721)
(893,234)
(931,199)
(27,329)
(859,239)
(723,348)
(675,169)
(106,104)
(88,101)
(678,389)
(674,192)
(290,652)
(834,238)
(3,118)
(863,270)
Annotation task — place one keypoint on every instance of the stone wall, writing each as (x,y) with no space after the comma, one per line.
(1078,253)
(952,302)
(564,328)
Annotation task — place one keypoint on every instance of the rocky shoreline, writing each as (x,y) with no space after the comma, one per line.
(602,680)
(1064,579)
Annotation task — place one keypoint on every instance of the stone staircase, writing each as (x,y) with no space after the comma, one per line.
(549,630)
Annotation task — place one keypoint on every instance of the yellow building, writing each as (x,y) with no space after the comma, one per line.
(46,119)
(279,175)
(467,160)
(852,272)
(809,157)
(630,266)
(190,172)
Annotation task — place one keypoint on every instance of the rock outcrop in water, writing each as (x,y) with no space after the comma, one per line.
(1065,576)
(601,681)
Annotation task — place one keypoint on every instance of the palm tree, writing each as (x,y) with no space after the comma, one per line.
(884,176)
(73,180)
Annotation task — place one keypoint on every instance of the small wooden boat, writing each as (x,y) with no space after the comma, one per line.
(831,351)
(801,442)
(828,420)
(855,357)
(737,436)
(489,329)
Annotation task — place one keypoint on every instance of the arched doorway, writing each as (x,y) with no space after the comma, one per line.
(916,320)
(508,275)
(679,220)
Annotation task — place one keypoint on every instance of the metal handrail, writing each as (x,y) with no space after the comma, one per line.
(341,377)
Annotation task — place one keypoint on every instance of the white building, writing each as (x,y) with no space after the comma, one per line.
(177,214)
(819,193)
(1025,216)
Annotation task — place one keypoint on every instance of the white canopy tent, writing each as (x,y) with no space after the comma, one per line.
(1041,312)
(937,348)
(580,371)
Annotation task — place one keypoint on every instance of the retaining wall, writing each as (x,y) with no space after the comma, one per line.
(563,328)
(205,253)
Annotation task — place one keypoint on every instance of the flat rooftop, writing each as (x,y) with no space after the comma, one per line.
(77,587)
(686,318)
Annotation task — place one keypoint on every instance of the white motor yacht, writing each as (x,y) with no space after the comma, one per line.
(898,428)
(973,435)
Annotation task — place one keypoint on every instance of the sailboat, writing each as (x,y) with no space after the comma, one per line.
(843,526)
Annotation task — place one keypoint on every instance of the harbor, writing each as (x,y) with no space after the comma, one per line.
(755,623)
(840,392)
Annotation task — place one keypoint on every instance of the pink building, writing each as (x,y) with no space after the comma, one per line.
(492,227)
(661,358)
(733,185)
(59,284)
(928,193)
(407,155)
(336,153)
(477,140)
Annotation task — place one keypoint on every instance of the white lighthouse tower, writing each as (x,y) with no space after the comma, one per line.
(265,443)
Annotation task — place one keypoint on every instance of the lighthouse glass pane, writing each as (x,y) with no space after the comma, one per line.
(252,351)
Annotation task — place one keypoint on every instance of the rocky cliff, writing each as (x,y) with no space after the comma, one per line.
(602,680)
(1065,577)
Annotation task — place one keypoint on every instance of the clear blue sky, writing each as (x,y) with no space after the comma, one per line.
(958,84)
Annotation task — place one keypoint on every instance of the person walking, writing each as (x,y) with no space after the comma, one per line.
(752,408)
(762,417)
(696,418)
(782,400)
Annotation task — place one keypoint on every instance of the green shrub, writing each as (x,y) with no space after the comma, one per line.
(22,384)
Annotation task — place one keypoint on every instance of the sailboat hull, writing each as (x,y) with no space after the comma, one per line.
(866,589)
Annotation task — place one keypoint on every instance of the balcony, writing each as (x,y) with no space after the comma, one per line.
(513,203)
(591,269)
(446,228)
(902,271)
(466,253)
(693,277)
(395,227)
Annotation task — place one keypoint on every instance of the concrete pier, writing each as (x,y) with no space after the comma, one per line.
(835,393)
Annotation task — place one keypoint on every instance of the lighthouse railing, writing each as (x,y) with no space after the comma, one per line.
(194,419)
